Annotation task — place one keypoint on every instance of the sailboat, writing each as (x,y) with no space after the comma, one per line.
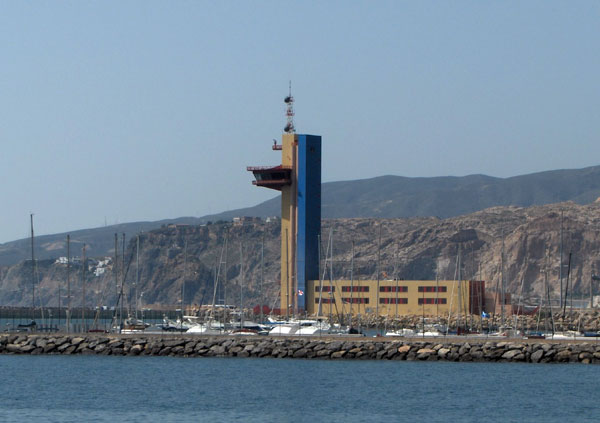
(32,325)
(212,326)
(132,324)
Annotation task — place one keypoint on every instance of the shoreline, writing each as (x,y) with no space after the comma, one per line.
(332,348)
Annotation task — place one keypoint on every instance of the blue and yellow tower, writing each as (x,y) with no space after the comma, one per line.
(298,177)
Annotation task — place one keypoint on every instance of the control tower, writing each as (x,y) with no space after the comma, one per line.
(298,177)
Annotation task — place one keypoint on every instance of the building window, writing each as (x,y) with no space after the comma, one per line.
(355,288)
(393,289)
(325,301)
(432,301)
(433,289)
(325,288)
(393,301)
(355,300)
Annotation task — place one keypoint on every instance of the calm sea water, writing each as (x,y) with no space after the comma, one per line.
(164,389)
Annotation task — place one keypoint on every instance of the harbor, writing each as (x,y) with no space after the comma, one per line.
(182,279)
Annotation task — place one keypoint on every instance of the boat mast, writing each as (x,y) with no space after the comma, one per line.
(548,290)
(331,297)
(351,282)
(287,278)
(437,293)
(185,246)
(570,283)
(567,288)
(423,311)
(83,288)
(122,275)
(319,308)
(481,293)
(560,269)
(396,278)
(520,305)
(378,277)
(594,277)
(32,271)
(241,285)
(471,293)
(262,276)
(225,267)
(591,295)
(460,288)
(59,306)
(68,283)
(116,274)
(452,297)
(137,275)
(502,287)
(216,285)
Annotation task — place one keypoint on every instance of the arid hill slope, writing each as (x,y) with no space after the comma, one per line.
(412,248)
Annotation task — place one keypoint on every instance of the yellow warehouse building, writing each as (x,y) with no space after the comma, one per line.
(395,297)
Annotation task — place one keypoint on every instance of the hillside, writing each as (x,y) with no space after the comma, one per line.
(382,197)
(448,196)
(411,248)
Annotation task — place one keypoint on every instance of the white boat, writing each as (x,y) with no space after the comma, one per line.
(178,325)
(568,335)
(429,334)
(249,325)
(133,325)
(409,333)
(426,329)
(212,328)
(401,332)
(243,332)
(314,328)
(305,327)
(285,329)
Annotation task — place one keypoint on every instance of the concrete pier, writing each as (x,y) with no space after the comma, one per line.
(328,348)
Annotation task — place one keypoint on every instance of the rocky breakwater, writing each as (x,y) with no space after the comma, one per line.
(321,348)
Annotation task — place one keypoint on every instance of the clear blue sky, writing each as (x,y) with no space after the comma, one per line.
(143,110)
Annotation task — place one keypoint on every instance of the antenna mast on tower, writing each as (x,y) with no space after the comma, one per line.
(289,101)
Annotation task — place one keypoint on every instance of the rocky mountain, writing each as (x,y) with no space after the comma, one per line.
(382,197)
(411,248)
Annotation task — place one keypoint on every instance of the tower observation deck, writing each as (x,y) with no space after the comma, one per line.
(298,177)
